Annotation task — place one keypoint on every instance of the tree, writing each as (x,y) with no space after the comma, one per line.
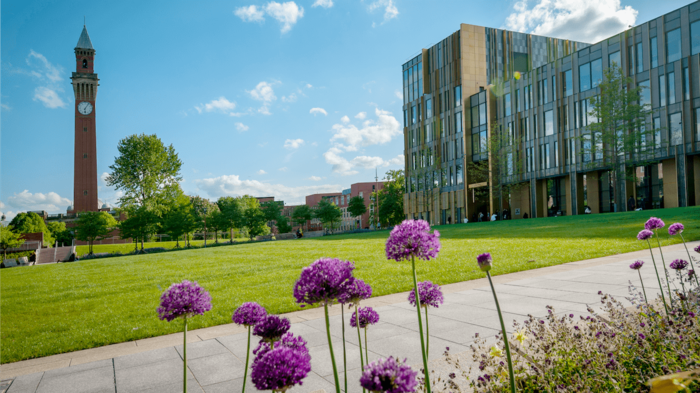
(302,214)
(283,225)
(179,219)
(328,213)
(146,171)
(61,234)
(91,226)
(391,198)
(9,239)
(255,222)
(31,222)
(140,223)
(231,214)
(272,210)
(617,137)
(356,206)
(203,211)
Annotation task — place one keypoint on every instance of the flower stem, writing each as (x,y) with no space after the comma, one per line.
(359,338)
(690,259)
(427,334)
(330,346)
(184,357)
(345,357)
(663,263)
(505,335)
(247,357)
(420,326)
(366,352)
(643,290)
(657,276)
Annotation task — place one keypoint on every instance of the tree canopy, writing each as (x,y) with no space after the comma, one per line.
(328,213)
(356,206)
(391,198)
(302,214)
(31,222)
(61,234)
(255,222)
(179,219)
(9,239)
(91,226)
(231,213)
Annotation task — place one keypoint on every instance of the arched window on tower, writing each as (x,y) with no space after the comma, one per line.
(85,63)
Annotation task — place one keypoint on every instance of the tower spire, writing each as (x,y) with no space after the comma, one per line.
(84,40)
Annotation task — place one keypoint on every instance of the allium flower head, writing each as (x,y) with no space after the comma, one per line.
(354,291)
(637,265)
(675,229)
(691,273)
(185,299)
(645,234)
(288,340)
(323,281)
(678,264)
(271,328)
(654,223)
(389,375)
(697,249)
(484,261)
(412,239)
(430,295)
(280,369)
(249,314)
(367,317)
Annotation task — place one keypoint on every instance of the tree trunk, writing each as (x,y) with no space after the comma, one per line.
(141,243)
(231,234)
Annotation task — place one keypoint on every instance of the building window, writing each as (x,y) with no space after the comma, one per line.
(549,123)
(697,124)
(507,104)
(534,126)
(686,84)
(644,93)
(654,53)
(84,129)
(428,108)
(640,62)
(673,45)
(676,127)
(584,77)
(630,58)
(565,110)
(482,114)
(458,172)
(413,114)
(695,37)
(596,72)
(586,148)
(458,96)
(662,90)
(544,90)
(85,63)
(458,122)
(657,132)
(84,155)
(671,78)
(568,83)
(517,100)
(85,192)
(556,153)
(554,88)
(614,58)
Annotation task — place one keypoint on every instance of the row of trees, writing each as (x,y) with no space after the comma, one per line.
(23,223)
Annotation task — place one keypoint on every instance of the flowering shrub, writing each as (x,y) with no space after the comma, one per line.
(620,351)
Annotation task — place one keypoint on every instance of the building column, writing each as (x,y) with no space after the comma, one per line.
(593,191)
(681,178)
(670,176)
(533,198)
(579,205)
(570,201)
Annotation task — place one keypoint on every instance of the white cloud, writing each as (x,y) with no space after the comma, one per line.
(261,172)
(345,119)
(242,127)
(323,3)
(390,10)
(48,97)
(263,92)
(26,201)
(5,107)
(290,98)
(398,94)
(381,131)
(42,68)
(361,115)
(221,105)
(250,13)
(233,185)
(339,163)
(308,86)
(286,13)
(292,144)
(581,20)
(315,178)
(322,111)
(283,169)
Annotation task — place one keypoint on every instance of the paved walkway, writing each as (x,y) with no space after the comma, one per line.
(216,355)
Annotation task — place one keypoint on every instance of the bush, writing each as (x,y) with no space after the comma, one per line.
(620,351)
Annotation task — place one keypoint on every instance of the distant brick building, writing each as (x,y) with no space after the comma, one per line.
(342,199)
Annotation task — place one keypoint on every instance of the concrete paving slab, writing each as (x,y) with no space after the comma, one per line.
(213,369)
(202,349)
(97,380)
(151,375)
(26,383)
(145,358)
(82,367)
(192,386)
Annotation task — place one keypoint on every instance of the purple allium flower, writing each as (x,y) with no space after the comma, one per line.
(484,260)
(249,314)
(697,249)
(645,234)
(678,264)
(642,336)
(354,291)
(675,229)
(691,273)
(185,299)
(412,239)
(430,295)
(288,340)
(389,375)
(271,328)
(637,265)
(654,223)
(280,369)
(367,317)
(691,314)
(323,281)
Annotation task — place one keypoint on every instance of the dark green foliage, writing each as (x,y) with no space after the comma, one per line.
(328,213)
(32,223)
(302,214)
(91,226)
(255,222)
(9,239)
(283,225)
(179,219)
(356,206)
(391,198)
(61,234)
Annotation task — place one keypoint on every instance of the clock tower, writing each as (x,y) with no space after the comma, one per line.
(85,84)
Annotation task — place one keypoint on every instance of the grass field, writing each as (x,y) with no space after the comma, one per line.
(129,247)
(70,306)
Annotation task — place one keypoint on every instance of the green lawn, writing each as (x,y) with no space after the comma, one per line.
(129,247)
(65,307)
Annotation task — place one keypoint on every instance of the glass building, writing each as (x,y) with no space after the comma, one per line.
(534,96)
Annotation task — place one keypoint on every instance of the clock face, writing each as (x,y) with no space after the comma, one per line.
(85,108)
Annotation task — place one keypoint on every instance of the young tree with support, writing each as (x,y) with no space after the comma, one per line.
(328,213)
(92,226)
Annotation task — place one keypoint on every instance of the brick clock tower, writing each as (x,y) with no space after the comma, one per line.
(85,84)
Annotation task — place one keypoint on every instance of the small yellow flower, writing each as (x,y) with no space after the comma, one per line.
(496,352)
(520,336)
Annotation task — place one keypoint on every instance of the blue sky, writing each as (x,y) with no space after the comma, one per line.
(257,97)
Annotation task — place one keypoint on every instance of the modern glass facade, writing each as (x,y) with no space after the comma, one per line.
(538,93)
